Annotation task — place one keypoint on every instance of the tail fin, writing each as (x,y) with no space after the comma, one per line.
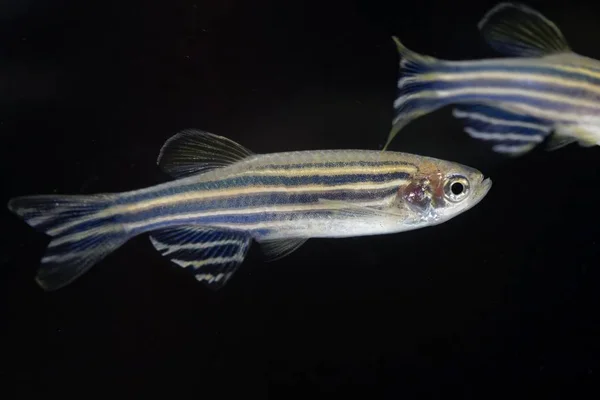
(410,102)
(83,232)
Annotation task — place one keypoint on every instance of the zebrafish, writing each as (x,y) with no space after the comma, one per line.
(542,91)
(223,196)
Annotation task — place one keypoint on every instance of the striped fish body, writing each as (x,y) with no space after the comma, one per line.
(224,196)
(517,102)
(278,196)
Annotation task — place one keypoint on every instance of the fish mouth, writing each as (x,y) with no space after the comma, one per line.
(484,187)
(486,183)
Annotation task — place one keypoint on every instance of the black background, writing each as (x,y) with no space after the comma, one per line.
(502,300)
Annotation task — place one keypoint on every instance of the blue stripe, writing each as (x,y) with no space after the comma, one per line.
(227,250)
(522,84)
(328,165)
(242,219)
(428,104)
(542,69)
(82,244)
(499,113)
(231,203)
(281,199)
(88,225)
(174,188)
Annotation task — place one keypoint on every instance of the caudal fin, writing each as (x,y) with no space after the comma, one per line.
(414,89)
(83,231)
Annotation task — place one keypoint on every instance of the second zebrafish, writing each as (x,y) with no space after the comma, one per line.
(515,102)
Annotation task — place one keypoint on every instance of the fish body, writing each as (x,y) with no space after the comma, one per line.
(224,196)
(514,102)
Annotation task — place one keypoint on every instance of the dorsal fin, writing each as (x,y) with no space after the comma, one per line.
(193,151)
(517,30)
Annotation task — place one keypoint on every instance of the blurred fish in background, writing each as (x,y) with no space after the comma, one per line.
(543,90)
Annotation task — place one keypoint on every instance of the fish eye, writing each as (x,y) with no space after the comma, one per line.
(456,188)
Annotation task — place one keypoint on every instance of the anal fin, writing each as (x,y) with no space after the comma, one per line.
(213,255)
(511,133)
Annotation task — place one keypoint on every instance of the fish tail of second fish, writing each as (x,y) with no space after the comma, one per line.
(81,234)
(415,93)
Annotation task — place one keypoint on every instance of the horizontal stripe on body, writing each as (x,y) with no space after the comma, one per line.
(288,175)
(518,66)
(536,104)
(247,204)
(553,85)
(259,221)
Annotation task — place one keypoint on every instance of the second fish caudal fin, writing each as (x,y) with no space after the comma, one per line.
(414,94)
(83,232)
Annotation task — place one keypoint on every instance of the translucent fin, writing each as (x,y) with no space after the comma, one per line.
(213,255)
(192,152)
(514,149)
(279,248)
(82,232)
(558,141)
(585,143)
(567,134)
(512,133)
(407,106)
(517,30)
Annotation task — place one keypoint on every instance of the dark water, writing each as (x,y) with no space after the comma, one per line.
(501,300)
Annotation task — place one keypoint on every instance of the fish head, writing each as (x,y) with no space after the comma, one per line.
(441,190)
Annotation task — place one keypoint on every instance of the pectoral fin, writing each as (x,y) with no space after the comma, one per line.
(558,141)
(567,134)
(352,210)
(279,248)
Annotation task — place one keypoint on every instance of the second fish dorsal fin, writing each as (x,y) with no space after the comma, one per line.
(517,30)
(193,151)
